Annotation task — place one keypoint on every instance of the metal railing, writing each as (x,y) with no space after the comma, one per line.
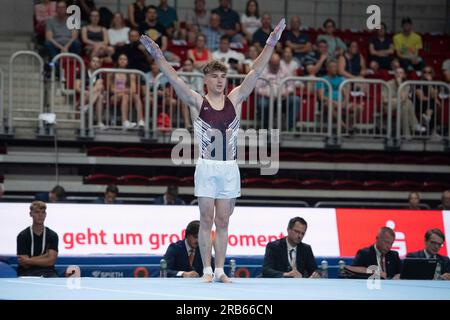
(430,102)
(110,94)
(366,204)
(364,109)
(23,100)
(307,113)
(71,69)
(2,111)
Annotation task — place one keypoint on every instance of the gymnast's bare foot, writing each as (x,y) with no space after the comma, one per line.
(207,278)
(224,279)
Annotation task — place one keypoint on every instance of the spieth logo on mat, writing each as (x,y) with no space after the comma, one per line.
(109,274)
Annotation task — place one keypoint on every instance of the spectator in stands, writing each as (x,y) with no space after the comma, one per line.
(414,201)
(213,33)
(110,195)
(316,61)
(196,20)
(152,28)
(260,36)
(57,194)
(427,101)
(407,45)
(168,18)
(229,21)
(37,246)
(275,73)
(381,49)
(118,33)
(183,257)
(170,197)
(352,64)
(289,257)
(252,54)
(124,91)
(86,7)
(200,55)
(434,241)
(98,87)
(335,80)
(96,40)
(289,62)
(336,46)
(43,11)
(224,54)
(445,201)
(57,37)
(136,13)
(250,20)
(135,52)
(446,70)
(196,83)
(380,255)
(2,190)
(408,115)
(297,40)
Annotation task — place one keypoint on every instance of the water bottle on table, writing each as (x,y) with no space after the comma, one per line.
(232,268)
(324,267)
(163,268)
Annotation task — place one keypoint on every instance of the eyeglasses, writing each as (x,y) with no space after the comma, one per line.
(437,244)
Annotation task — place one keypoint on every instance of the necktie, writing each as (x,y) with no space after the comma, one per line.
(191,257)
(292,257)
(383,263)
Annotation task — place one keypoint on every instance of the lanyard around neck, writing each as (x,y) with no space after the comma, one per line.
(32,241)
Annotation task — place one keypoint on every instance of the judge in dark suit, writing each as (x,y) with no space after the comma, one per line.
(289,257)
(183,257)
(434,240)
(380,256)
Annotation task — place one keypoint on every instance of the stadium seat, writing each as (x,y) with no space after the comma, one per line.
(2,150)
(159,153)
(376,185)
(406,185)
(186,181)
(290,156)
(163,180)
(256,183)
(434,186)
(316,184)
(102,152)
(347,157)
(100,178)
(347,185)
(436,160)
(135,152)
(248,108)
(317,156)
(376,158)
(287,183)
(133,180)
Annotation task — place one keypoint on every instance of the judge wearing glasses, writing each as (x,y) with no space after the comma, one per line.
(434,240)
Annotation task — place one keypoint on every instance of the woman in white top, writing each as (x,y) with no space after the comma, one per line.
(289,62)
(250,20)
(118,33)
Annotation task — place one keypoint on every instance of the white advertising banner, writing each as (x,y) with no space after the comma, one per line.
(446,215)
(143,229)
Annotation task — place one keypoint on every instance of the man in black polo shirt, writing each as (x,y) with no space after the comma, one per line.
(37,246)
(230,22)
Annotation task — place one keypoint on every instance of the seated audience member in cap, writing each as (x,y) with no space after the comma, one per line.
(183,257)
(378,255)
(290,257)
(37,246)
(434,240)
(170,197)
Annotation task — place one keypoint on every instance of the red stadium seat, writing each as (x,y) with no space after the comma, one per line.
(290,156)
(100,178)
(436,160)
(347,185)
(308,110)
(133,180)
(406,185)
(317,156)
(163,180)
(102,152)
(376,158)
(134,152)
(160,153)
(376,185)
(256,183)
(435,186)
(186,181)
(316,184)
(407,159)
(2,150)
(286,183)
(347,157)
(445,112)
(248,108)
